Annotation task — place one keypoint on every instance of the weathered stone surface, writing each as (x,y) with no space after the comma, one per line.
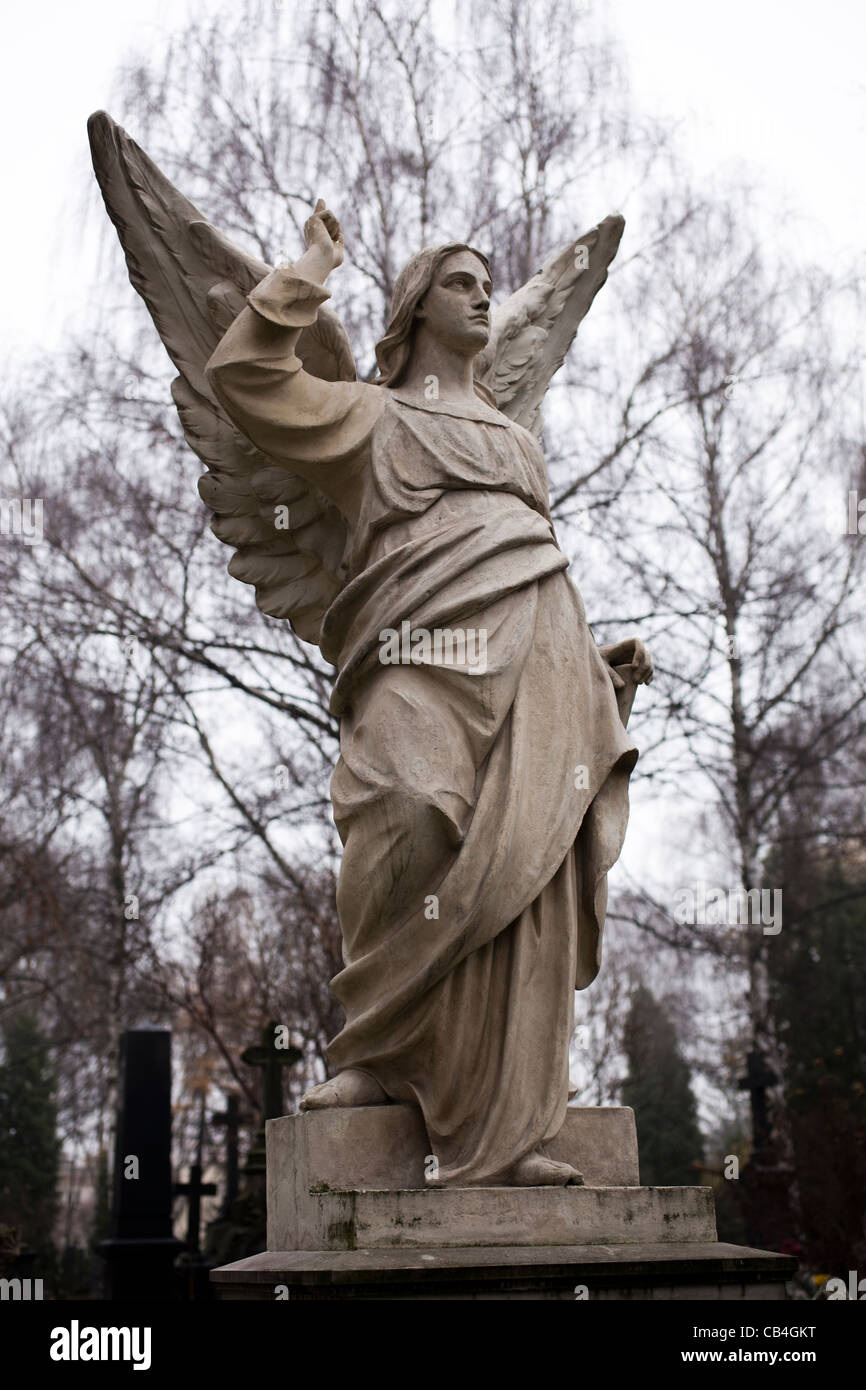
(600,1141)
(455,1216)
(706,1271)
(385,1147)
(342,1179)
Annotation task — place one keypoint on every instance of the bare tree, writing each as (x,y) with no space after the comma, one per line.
(756,606)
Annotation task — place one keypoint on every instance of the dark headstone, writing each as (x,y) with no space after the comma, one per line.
(141,1249)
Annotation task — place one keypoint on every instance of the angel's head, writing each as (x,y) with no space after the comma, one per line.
(447,290)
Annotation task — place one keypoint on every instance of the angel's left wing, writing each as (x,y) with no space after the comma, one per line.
(532,331)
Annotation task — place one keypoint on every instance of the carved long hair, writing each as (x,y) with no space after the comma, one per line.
(394,350)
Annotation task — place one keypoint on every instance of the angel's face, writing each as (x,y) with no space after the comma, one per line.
(455,309)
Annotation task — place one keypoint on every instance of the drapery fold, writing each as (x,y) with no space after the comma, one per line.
(479,814)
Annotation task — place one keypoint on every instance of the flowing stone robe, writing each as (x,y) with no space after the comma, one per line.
(480,808)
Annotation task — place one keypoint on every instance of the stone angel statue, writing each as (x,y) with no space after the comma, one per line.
(480,803)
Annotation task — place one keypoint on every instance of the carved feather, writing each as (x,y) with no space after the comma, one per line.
(194,282)
(532,331)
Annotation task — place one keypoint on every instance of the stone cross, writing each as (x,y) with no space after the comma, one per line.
(231,1120)
(194,1189)
(757,1081)
(272,1054)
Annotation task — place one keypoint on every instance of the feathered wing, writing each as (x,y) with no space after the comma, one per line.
(532,331)
(194,282)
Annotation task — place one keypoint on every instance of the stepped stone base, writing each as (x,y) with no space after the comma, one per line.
(350,1215)
(595,1272)
(386,1147)
(348,1179)
(489,1216)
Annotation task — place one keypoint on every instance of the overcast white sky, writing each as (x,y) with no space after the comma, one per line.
(778,84)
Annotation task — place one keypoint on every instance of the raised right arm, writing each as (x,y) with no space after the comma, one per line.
(292,416)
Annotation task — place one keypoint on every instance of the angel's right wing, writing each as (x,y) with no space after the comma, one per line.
(194,282)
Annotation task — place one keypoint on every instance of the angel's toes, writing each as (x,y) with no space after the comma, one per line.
(537,1171)
(348,1088)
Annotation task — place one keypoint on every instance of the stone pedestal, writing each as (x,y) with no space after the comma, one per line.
(351,1215)
(706,1271)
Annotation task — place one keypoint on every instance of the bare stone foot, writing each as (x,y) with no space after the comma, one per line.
(537,1171)
(348,1088)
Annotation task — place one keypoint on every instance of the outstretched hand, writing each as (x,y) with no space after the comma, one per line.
(632,651)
